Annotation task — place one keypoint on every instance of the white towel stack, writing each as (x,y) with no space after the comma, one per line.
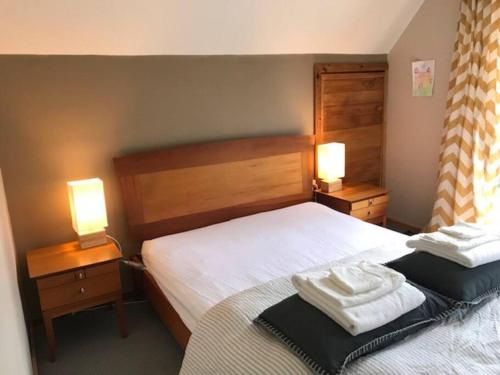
(464,231)
(464,243)
(360,296)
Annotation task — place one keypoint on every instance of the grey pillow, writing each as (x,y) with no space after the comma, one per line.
(468,285)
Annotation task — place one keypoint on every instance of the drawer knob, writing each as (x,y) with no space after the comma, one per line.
(370,202)
(369,212)
(82,290)
(80,275)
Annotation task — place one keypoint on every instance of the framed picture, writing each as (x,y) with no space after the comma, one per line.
(423,77)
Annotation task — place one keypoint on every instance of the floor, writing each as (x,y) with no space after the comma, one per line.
(89,343)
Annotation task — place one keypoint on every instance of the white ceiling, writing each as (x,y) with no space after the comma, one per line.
(207,27)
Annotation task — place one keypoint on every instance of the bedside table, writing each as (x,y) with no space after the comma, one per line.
(364,201)
(70,279)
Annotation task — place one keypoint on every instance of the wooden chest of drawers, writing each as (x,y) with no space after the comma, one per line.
(70,279)
(363,201)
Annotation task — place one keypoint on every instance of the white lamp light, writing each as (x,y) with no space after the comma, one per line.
(331,166)
(88,211)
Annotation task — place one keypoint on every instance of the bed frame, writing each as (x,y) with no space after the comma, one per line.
(191,186)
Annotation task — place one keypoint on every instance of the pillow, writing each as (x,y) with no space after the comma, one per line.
(469,285)
(326,347)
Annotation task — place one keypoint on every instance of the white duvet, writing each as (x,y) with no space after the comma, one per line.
(200,268)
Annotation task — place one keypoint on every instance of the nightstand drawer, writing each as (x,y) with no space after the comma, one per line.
(369,202)
(370,212)
(53,281)
(101,269)
(80,274)
(79,290)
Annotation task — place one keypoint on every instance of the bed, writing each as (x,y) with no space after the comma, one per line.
(192,186)
(253,250)
(225,224)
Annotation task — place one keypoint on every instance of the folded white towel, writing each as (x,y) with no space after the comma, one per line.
(356,278)
(464,231)
(442,241)
(371,315)
(321,282)
(486,253)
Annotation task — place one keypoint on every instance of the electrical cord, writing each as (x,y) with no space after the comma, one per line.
(117,243)
(130,263)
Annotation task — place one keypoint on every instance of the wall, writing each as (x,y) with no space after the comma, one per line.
(66,117)
(14,350)
(201,27)
(414,124)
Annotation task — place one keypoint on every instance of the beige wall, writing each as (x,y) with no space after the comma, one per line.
(66,117)
(414,124)
(14,350)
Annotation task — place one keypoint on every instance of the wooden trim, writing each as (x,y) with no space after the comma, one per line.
(147,285)
(349,67)
(318,130)
(399,224)
(199,154)
(182,223)
(278,172)
(349,107)
(165,311)
(84,304)
(384,130)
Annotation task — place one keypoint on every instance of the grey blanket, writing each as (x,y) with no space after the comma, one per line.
(226,341)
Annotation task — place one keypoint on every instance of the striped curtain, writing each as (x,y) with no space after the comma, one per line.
(469,176)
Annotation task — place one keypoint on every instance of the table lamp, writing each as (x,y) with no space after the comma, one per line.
(331,166)
(88,211)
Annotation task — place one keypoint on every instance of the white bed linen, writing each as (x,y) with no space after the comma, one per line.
(199,268)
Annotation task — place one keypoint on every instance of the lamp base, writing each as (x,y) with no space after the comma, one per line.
(92,239)
(330,186)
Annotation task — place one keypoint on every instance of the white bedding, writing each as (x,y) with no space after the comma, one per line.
(199,268)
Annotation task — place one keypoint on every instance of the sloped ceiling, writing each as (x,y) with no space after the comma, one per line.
(207,27)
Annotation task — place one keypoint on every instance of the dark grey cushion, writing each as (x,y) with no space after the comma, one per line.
(326,347)
(469,285)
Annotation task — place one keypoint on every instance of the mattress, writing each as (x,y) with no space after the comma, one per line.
(199,268)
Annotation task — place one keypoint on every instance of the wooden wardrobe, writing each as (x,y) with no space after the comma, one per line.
(349,108)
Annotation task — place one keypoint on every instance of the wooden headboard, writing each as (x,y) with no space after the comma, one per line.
(349,108)
(191,186)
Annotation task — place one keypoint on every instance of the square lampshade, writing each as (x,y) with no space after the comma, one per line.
(331,161)
(88,207)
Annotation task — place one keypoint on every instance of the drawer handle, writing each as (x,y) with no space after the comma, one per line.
(370,202)
(82,290)
(80,275)
(369,212)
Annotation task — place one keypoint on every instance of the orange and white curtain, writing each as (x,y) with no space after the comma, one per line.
(469,176)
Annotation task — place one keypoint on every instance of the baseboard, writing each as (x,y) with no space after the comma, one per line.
(404,226)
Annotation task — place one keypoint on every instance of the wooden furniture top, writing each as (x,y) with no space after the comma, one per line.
(195,185)
(68,256)
(357,192)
